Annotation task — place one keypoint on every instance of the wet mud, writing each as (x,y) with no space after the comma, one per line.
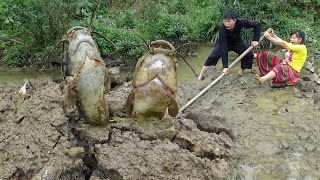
(237,130)
(276,130)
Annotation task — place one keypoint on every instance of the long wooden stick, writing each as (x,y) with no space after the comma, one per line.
(218,78)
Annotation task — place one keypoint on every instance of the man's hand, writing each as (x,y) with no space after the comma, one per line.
(267,35)
(254,43)
(225,71)
(271,32)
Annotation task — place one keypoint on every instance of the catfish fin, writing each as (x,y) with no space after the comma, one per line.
(129,104)
(70,96)
(173,108)
(107,82)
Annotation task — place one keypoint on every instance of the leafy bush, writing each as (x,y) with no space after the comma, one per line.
(165,25)
(208,20)
(16,56)
(25,20)
(122,38)
(125,19)
(177,7)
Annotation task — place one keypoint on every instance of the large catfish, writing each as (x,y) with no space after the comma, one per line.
(86,76)
(154,83)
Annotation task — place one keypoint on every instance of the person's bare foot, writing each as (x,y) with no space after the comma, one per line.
(200,78)
(258,80)
(241,72)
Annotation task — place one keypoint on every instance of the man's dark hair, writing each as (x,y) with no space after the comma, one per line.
(229,15)
(299,34)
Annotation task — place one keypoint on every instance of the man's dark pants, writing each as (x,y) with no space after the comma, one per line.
(239,48)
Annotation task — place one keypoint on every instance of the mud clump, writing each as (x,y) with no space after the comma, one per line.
(129,150)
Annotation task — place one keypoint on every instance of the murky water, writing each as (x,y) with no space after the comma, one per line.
(196,61)
(20,76)
(185,74)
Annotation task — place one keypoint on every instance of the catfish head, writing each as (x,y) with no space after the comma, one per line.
(155,83)
(160,62)
(78,43)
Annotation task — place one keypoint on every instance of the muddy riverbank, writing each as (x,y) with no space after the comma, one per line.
(39,137)
(237,130)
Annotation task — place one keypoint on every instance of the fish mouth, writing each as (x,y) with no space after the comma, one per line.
(85,39)
(161,84)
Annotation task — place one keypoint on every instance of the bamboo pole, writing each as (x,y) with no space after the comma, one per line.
(218,78)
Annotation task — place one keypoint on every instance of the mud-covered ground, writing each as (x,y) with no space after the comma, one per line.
(41,139)
(276,130)
(237,130)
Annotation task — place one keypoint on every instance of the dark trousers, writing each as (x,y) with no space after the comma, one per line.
(239,48)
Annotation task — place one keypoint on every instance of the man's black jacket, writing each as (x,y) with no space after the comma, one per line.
(227,37)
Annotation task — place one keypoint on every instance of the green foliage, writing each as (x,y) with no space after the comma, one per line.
(83,8)
(177,7)
(165,25)
(181,21)
(122,38)
(208,20)
(125,19)
(203,3)
(149,9)
(16,56)
(35,25)
(2,45)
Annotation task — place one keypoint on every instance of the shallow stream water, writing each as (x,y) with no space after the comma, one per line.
(185,74)
(20,76)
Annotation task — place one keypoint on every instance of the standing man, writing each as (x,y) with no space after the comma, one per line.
(230,40)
